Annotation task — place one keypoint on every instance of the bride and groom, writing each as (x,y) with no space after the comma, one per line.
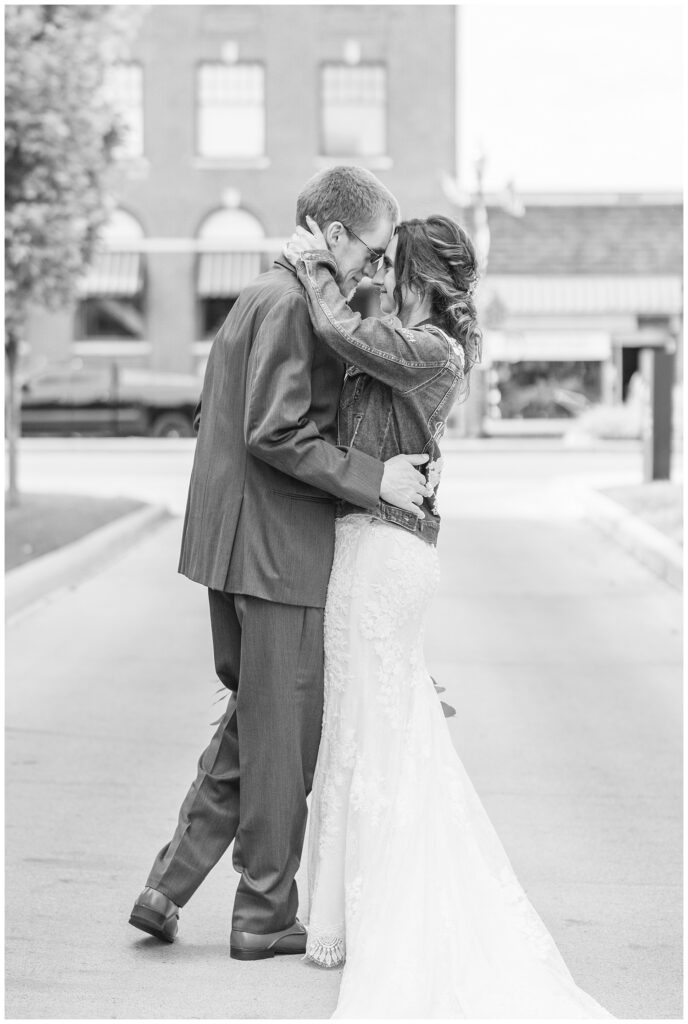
(312,519)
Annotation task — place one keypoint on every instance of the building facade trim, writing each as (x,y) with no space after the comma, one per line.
(585,294)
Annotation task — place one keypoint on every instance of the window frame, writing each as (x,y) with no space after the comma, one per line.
(323,154)
(256,159)
(140,67)
(83,318)
(84,342)
(204,336)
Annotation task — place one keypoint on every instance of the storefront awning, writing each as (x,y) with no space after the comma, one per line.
(585,294)
(113,273)
(224,274)
(547,346)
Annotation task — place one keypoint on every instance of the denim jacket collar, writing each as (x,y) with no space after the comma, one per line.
(285,264)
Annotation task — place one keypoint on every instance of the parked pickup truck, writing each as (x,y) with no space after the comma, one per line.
(109,400)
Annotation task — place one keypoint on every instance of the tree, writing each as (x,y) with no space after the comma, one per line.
(60,132)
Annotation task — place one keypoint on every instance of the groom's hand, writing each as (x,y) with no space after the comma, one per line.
(402,485)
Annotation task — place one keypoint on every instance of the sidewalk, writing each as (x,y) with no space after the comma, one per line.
(562,657)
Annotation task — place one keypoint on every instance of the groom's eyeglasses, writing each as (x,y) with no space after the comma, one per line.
(376,255)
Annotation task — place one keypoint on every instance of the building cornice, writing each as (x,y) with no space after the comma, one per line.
(658,198)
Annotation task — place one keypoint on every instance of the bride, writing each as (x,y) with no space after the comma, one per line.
(409,884)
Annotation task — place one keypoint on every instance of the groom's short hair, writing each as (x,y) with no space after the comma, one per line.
(351,195)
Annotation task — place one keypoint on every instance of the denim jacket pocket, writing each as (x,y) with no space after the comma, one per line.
(351,390)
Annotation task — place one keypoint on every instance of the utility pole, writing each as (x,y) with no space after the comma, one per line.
(657,342)
(12,413)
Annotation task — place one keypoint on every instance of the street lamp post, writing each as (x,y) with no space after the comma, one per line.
(481,227)
(482,384)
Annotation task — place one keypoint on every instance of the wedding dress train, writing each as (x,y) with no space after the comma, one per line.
(408,880)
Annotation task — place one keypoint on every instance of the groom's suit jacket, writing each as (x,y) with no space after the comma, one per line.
(267,470)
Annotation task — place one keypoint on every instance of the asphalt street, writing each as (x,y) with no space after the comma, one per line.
(561,655)
(158,470)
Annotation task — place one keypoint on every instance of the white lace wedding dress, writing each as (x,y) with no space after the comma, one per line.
(408,880)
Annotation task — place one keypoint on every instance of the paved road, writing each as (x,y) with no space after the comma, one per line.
(158,471)
(561,655)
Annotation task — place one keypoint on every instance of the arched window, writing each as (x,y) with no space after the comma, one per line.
(112,291)
(233,259)
(122,227)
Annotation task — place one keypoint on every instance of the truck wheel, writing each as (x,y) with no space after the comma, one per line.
(172,424)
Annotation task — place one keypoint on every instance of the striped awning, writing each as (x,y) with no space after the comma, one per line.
(638,295)
(224,274)
(113,273)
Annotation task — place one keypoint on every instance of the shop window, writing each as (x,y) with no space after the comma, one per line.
(231,110)
(213,314)
(232,262)
(112,293)
(544,390)
(111,317)
(353,104)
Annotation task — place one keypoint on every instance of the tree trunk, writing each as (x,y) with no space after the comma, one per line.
(13,416)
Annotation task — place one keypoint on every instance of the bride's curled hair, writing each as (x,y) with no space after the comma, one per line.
(435,258)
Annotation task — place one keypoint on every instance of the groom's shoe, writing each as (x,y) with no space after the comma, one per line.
(249,946)
(156,914)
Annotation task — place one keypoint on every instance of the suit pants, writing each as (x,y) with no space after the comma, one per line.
(255,775)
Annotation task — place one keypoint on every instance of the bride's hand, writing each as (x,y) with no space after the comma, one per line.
(316,237)
(304,241)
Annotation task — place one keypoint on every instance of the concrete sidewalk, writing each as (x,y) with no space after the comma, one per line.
(562,657)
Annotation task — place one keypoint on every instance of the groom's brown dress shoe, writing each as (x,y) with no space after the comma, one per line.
(249,946)
(156,914)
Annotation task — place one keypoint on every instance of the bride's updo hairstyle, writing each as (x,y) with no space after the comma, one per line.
(435,258)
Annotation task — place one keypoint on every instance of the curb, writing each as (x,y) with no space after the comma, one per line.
(656,551)
(31,583)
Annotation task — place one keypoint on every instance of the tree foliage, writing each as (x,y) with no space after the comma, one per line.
(60,131)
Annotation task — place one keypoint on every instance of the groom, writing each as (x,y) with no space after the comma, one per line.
(259,534)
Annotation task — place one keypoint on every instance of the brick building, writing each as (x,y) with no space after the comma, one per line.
(231,109)
(575,286)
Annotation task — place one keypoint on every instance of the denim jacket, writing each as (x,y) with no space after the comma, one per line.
(399,387)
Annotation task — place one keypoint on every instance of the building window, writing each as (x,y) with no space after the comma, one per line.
(354,102)
(234,258)
(112,299)
(125,87)
(110,317)
(543,390)
(231,110)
